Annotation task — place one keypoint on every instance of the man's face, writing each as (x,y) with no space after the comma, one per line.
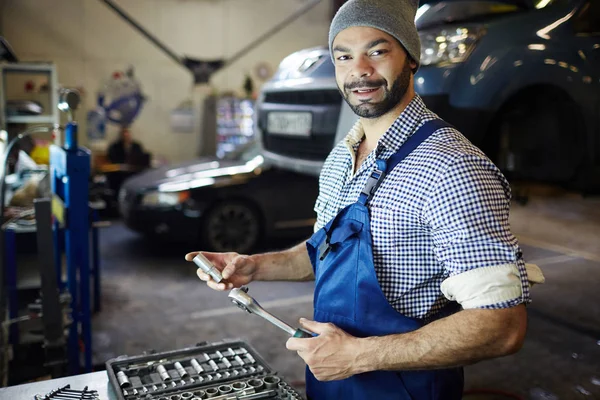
(126,135)
(372,70)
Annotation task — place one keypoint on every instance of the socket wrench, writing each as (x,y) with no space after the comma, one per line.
(240,297)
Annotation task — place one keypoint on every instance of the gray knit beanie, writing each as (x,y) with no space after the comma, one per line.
(394,17)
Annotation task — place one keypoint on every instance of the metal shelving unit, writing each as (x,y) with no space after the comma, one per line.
(51,112)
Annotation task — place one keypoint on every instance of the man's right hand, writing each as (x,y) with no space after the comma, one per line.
(237,269)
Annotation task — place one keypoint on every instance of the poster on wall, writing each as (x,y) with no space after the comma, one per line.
(96,125)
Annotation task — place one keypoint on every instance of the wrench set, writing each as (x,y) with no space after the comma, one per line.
(66,393)
(226,370)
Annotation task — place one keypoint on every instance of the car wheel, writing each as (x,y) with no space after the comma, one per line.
(539,138)
(232,226)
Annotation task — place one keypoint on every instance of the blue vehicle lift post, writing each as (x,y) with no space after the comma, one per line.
(70,171)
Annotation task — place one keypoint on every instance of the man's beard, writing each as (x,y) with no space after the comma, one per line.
(391,98)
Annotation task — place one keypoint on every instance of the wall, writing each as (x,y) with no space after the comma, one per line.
(88,41)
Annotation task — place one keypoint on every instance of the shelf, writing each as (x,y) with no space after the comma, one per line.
(29,67)
(31,119)
(50,102)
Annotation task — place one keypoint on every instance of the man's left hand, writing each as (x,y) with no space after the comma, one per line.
(332,355)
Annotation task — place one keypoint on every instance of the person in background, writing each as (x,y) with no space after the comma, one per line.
(125,150)
(126,157)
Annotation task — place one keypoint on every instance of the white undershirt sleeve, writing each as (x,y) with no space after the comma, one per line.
(487,286)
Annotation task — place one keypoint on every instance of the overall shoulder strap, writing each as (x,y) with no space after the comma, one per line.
(426,130)
(384,166)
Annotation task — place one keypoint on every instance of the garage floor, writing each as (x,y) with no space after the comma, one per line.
(153,300)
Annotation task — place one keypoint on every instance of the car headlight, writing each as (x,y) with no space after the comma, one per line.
(448,45)
(164,199)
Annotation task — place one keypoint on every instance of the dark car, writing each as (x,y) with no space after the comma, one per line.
(230,204)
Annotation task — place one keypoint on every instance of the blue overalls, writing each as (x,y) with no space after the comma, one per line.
(347,294)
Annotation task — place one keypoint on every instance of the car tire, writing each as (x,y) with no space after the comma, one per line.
(539,137)
(232,226)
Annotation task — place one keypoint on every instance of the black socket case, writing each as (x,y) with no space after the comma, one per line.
(141,372)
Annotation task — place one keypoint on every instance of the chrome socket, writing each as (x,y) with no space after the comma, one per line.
(208,267)
(196,365)
(213,365)
(237,386)
(164,375)
(225,389)
(271,382)
(256,384)
(239,360)
(180,370)
(123,380)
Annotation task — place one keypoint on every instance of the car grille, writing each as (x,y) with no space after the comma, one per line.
(325,107)
(309,97)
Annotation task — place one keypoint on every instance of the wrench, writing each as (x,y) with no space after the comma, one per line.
(240,297)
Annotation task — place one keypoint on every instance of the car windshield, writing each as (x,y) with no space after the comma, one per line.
(447,12)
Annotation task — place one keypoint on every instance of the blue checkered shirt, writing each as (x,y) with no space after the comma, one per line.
(442,211)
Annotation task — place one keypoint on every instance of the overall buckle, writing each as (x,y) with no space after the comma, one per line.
(372,182)
(374,179)
(324,249)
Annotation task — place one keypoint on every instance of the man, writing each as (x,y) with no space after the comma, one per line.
(416,270)
(129,157)
(125,150)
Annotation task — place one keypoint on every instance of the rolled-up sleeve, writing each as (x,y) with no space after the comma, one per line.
(468,216)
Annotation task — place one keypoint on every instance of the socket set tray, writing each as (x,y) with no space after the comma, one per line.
(226,370)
